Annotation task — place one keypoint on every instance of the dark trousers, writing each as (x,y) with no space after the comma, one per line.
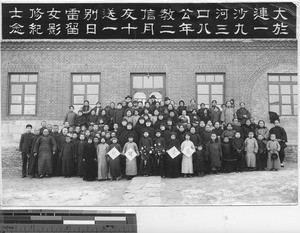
(281,152)
(57,165)
(24,163)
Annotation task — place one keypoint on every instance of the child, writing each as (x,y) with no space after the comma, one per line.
(229,132)
(214,153)
(32,164)
(102,150)
(229,162)
(199,161)
(238,152)
(89,158)
(261,154)
(251,148)
(145,146)
(159,155)
(114,164)
(23,148)
(187,161)
(79,155)
(273,148)
(67,156)
(172,164)
(131,165)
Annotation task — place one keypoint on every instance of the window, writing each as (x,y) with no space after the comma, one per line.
(23,93)
(85,87)
(145,85)
(210,87)
(283,89)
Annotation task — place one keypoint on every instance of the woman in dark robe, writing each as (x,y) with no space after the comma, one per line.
(172,164)
(89,158)
(45,148)
(114,164)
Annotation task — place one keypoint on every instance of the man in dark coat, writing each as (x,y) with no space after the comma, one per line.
(242,114)
(33,161)
(23,148)
(67,155)
(281,138)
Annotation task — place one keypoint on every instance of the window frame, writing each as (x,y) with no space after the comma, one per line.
(85,87)
(210,88)
(279,84)
(10,83)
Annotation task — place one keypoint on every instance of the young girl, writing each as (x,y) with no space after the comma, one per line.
(114,164)
(238,152)
(229,162)
(79,155)
(187,159)
(251,148)
(67,155)
(159,155)
(131,165)
(172,164)
(214,152)
(102,150)
(273,148)
(145,146)
(199,161)
(89,158)
(261,153)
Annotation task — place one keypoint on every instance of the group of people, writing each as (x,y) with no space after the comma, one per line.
(155,138)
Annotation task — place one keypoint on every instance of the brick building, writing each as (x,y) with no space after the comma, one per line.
(40,79)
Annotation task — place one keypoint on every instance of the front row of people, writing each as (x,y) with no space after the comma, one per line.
(94,158)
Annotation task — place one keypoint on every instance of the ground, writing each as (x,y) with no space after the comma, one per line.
(253,188)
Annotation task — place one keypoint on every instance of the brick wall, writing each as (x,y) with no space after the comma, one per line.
(245,65)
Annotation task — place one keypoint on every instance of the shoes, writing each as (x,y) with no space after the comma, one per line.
(41,176)
(282,165)
(23,176)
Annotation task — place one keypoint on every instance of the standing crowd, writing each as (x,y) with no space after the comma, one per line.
(157,138)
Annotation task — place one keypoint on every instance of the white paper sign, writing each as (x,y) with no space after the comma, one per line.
(130,154)
(188,151)
(173,152)
(113,153)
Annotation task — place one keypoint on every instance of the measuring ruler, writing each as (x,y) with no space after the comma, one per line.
(59,221)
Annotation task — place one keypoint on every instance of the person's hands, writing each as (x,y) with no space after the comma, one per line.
(35,154)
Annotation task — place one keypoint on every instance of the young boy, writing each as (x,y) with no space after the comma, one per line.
(238,152)
(114,164)
(89,158)
(159,155)
(251,148)
(273,148)
(145,146)
(214,153)
(199,161)
(229,162)
(32,164)
(261,154)
(67,156)
(23,148)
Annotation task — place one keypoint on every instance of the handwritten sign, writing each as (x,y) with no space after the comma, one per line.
(173,152)
(188,151)
(130,154)
(113,153)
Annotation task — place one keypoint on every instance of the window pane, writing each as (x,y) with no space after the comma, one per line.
(78,89)
(295,99)
(76,78)
(14,78)
(33,78)
(95,78)
(158,82)
(29,109)
(285,78)
(219,78)
(203,89)
(273,78)
(285,89)
(218,98)
(16,99)
(92,89)
(286,109)
(273,89)
(139,96)
(203,99)
(158,95)
(23,78)
(148,82)
(86,78)
(210,78)
(78,99)
(15,109)
(274,99)
(16,89)
(137,82)
(200,78)
(93,99)
(29,99)
(30,89)
(275,108)
(295,89)
(295,78)
(217,89)
(286,99)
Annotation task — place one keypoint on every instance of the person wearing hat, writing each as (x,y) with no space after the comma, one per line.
(130,165)
(114,164)
(187,161)
(167,101)
(146,146)
(102,150)
(23,148)
(128,98)
(172,164)
(45,148)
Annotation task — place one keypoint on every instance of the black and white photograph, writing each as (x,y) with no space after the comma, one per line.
(149,104)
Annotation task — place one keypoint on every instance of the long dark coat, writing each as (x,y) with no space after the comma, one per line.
(67,155)
(90,155)
(214,152)
(33,160)
(173,165)
(115,164)
(238,144)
